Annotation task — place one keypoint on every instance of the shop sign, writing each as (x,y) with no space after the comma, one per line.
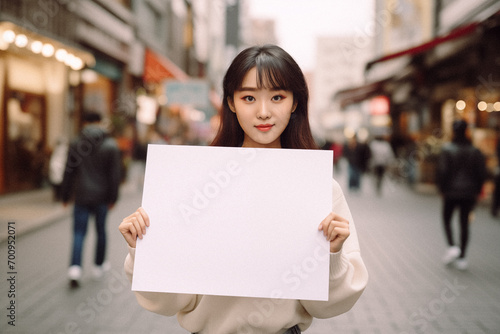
(379,105)
(193,92)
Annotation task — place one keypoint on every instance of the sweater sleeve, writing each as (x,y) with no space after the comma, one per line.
(167,304)
(348,274)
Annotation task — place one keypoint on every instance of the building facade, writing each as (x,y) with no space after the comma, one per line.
(59,58)
(39,67)
(434,80)
(339,65)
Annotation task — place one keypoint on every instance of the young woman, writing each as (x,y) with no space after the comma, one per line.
(265,106)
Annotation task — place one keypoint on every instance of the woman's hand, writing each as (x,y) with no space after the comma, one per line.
(134,226)
(336,230)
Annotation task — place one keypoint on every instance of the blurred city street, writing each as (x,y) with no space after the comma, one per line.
(410,290)
(86,86)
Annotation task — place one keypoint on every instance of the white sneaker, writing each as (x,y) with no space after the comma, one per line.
(99,271)
(75,272)
(451,254)
(461,264)
(74,275)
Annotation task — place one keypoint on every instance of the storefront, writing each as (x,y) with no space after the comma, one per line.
(453,76)
(156,120)
(174,108)
(465,85)
(35,73)
(366,108)
(99,87)
(108,86)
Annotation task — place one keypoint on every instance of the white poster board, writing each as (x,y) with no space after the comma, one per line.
(235,222)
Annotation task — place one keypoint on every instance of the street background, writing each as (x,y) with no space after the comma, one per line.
(401,238)
(153,69)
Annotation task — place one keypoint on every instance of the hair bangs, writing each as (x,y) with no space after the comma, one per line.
(270,74)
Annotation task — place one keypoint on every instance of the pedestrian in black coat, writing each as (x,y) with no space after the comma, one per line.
(461,172)
(92,177)
(358,156)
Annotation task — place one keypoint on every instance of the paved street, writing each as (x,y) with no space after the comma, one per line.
(410,291)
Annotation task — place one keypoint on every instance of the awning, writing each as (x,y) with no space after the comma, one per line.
(394,66)
(158,68)
(358,94)
(457,33)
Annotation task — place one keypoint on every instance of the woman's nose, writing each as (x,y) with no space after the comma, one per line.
(264,111)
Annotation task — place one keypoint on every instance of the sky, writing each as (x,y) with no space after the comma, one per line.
(299,22)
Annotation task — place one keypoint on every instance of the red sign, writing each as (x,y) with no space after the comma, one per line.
(379,105)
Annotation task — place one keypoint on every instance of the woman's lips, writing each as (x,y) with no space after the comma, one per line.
(264,127)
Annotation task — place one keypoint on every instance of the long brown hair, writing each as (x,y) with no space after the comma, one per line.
(277,68)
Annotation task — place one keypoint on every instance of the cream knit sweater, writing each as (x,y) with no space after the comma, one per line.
(208,314)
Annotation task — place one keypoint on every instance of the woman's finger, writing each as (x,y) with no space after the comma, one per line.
(338,232)
(128,231)
(134,226)
(144,216)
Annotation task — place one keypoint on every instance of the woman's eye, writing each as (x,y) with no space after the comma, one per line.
(248,98)
(277,98)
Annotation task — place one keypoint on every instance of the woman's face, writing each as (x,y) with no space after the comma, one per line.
(262,113)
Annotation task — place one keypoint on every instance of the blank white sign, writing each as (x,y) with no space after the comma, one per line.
(235,222)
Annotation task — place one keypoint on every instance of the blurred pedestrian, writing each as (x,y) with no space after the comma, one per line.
(381,157)
(358,156)
(264,106)
(92,177)
(495,200)
(461,172)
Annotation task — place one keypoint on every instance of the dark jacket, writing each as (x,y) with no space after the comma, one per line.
(461,171)
(357,156)
(92,174)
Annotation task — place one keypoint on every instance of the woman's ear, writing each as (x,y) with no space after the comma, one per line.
(230,103)
(295,103)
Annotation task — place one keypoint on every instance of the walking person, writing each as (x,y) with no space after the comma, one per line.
(495,198)
(461,172)
(381,157)
(91,178)
(264,106)
(358,156)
